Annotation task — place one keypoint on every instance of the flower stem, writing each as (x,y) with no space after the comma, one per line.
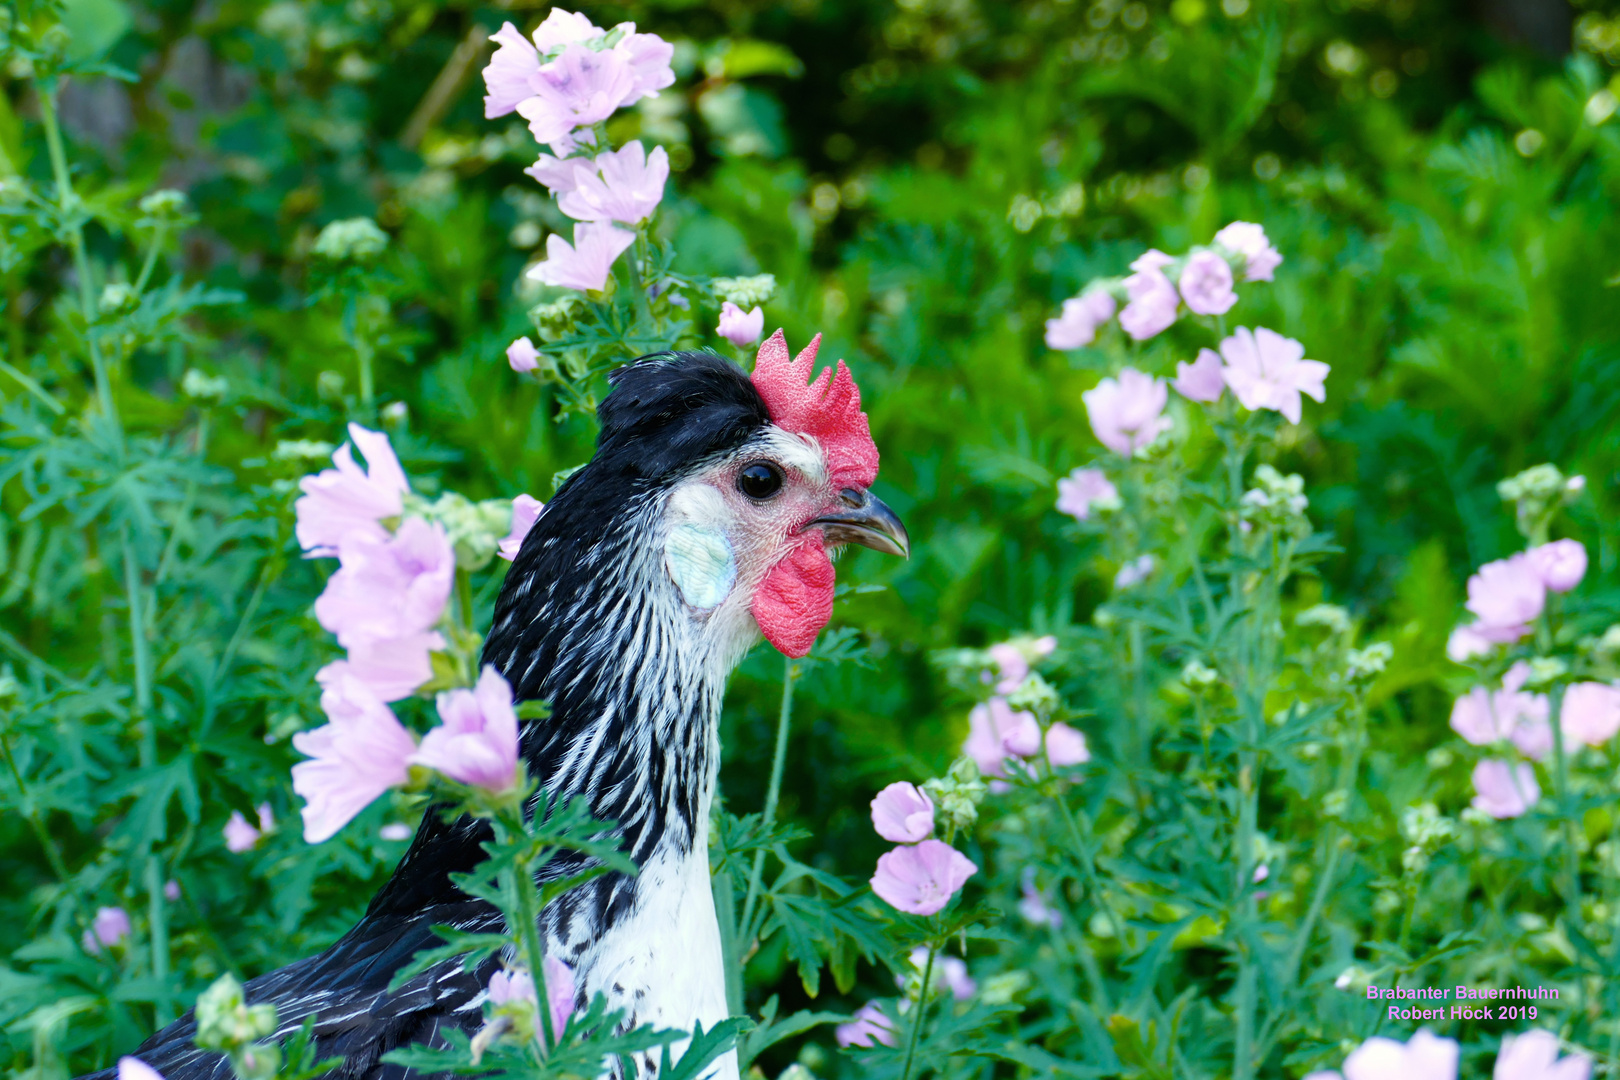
(68,203)
(534,953)
(158,236)
(783,720)
(922,1007)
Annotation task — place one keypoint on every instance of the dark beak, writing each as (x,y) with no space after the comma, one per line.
(865,520)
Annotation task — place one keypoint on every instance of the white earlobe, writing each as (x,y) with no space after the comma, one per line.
(701,564)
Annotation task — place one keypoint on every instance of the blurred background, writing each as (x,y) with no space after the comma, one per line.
(928,180)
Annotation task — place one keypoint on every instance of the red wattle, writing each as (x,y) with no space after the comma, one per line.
(795,600)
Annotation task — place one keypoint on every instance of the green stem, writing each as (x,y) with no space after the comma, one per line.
(1243,1036)
(228,657)
(725,909)
(140,653)
(638,291)
(1572,868)
(158,914)
(1089,867)
(784,719)
(362,349)
(52,853)
(172,548)
(464,599)
(158,236)
(534,953)
(68,202)
(922,1006)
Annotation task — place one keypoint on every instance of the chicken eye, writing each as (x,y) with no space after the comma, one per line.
(760,480)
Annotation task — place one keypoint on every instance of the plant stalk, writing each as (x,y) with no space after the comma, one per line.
(922,1006)
(783,720)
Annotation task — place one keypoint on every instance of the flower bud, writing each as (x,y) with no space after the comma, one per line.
(957,794)
(165,204)
(1198,677)
(329,385)
(118,297)
(225,1021)
(200,386)
(745,292)
(1371,661)
(351,240)
(1035,695)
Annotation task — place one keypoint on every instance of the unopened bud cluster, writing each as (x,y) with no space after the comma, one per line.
(474,528)
(1536,494)
(957,794)
(351,240)
(746,292)
(1275,499)
(228,1024)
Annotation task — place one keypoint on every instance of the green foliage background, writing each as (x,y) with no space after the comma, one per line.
(927,179)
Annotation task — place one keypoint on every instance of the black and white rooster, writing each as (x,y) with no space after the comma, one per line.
(705,519)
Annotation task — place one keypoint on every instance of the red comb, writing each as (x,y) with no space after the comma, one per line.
(828,409)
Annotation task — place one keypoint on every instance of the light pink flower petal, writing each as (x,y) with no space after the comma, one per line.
(360,753)
(1590,713)
(525,512)
(1268,371)
(131,1068)
(1424,1057)
(347,500)
(1560,565)
(1206,284)
(1200,380)
(625,185)
(1534,1056)
(649,58)
(1466,642)
(1506,595)
(522,355)
(1153,304)
(586,263)
(577,89)
(560,992)
(389,588)
(477,743)
(565,28)
(869,1026)
(902,813)
(512,73)
(1080,319)
(1128,413)
(1082,489)
(1066,746)
(741,328)
(1503,790)
(1011,665)
(239,835)
(1249,240)
(109,927)
(921,879)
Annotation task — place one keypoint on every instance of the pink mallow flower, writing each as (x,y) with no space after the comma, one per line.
(132,1068)
(921,879)
(1503,790)
(950,972)
(241,836)
(391,667)
(1084,490)
(508,986)
(1483,717)
(522,355)
(1249,240)
(110,927)
(1033,906)
(513,72)
(477,742)
(557,174)
(525,512)
(1200,380)
(1534,1056)
(361,752)
(1065,746)
(1508,596)
(1080,320)
(1127,414)
(1590,713)
(1135,572)
(1268,371)
(1153,303)
(996,732)
(1560,565)
(1206,284)
(390,588)
(903,814)
(586,263)
(1011,664)
(623,185)
(1425,1056)
(347,500)
(741,328)
(1466,642)
(579,88)
(868,1027)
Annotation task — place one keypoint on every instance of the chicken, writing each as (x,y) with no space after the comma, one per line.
(706,518)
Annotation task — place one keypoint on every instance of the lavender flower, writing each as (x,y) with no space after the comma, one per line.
(1503,790)
(525,512)
(110,927)
(586,263)
(921,879)
(522,355)
(1249,240)
(348,500)
(741,328)
(624,185)
(1127,414)
(361,752)
(1268,371)
(1202,379)
(869,1026)
(477,742)
(903,814)
(1084,490)
(1080,320)
(1206,284)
